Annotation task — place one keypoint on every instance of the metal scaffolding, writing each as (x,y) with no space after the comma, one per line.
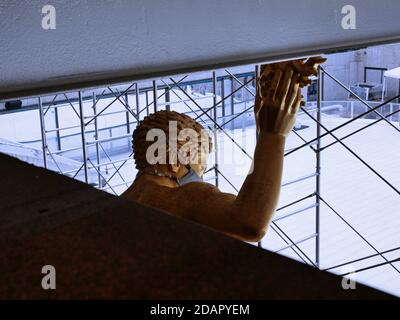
(224,91)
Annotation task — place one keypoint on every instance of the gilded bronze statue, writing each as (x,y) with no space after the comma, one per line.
(175,186)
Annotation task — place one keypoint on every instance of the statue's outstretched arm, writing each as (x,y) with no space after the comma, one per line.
(278,99)
(247,215)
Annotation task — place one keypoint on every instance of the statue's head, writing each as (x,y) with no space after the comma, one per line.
(170,143)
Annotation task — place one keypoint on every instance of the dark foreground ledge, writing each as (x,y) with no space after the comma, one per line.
(105,247)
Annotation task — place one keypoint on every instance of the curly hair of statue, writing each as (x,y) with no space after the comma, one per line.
(160,120)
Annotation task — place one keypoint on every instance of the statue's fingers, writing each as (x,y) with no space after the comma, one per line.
(272,90)
(314,62)
(271,66)
(284,86)
(265,70)
(311,71)
(310,66)
(263,67)
(257,103)
(305,82)
(265,75)
(297,102)
(298,65)
(317,60)
(302,102)
(283,65)
(292,97)
(294,85)
(264,82)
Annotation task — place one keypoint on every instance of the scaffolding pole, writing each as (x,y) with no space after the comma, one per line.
(43,132)
(84,150)
(318,170)
(214,85)
(96,137)
(155,96)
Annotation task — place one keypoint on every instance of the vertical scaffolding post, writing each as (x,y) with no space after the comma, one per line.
(128,129)
(84,150)
(214,88)
(147,102)
(167,99)
(43,132)
(155,96)
(318,169)
(232,99)
(256,71)
(56,119)
(223,96)
(96,137)
(137,102)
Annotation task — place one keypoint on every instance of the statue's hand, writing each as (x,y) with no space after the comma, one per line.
(308,68)
(278,93)
(278,99)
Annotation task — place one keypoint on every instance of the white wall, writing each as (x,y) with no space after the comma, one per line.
(99,41)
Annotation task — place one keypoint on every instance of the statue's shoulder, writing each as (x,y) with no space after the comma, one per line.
(198,186)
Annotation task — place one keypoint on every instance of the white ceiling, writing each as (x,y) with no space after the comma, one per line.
(101,42)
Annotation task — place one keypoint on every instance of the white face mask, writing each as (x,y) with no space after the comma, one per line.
(191,176)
